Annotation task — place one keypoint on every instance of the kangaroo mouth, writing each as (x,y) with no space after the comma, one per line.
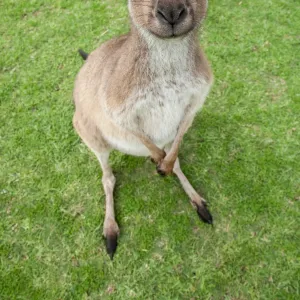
(171,34)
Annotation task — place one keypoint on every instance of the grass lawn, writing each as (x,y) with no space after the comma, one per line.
(242,154)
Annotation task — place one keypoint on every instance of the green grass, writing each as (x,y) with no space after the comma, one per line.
(243,154)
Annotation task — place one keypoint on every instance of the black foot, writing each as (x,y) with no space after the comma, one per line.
(160,171)
(204,213)
(111,245)
(152,160)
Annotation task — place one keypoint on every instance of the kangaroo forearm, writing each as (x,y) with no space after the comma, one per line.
(184,126)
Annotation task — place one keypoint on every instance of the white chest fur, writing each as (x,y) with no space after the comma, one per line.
(161,106)
(158,109)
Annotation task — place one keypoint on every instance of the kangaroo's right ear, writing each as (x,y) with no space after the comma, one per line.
(83,54)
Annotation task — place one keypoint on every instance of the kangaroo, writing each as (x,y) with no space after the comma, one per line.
(140,92)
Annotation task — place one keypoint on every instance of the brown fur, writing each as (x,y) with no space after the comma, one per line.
(113,84)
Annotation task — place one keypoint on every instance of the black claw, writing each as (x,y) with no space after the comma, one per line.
(204,213)
(160,171)
(111,245)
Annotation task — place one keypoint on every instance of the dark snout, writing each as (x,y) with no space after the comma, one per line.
(171,12)
(172,18)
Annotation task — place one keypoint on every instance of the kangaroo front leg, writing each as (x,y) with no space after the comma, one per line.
(166,166)
(197,201)
(157,154)
(110,228)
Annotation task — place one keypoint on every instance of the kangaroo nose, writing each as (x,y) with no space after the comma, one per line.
(171,14)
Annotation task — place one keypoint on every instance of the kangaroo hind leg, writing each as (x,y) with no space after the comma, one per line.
(92,137)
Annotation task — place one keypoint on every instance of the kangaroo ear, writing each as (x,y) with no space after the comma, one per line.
(83,54)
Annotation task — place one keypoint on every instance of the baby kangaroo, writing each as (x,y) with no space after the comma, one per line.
(139,94)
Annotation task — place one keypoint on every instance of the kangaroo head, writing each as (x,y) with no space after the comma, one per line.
(167,18)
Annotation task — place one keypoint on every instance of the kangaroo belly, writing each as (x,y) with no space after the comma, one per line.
(153,117)
(159,117)
(156,112)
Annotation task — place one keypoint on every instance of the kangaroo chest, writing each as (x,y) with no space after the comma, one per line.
(160,107)
(157,109)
